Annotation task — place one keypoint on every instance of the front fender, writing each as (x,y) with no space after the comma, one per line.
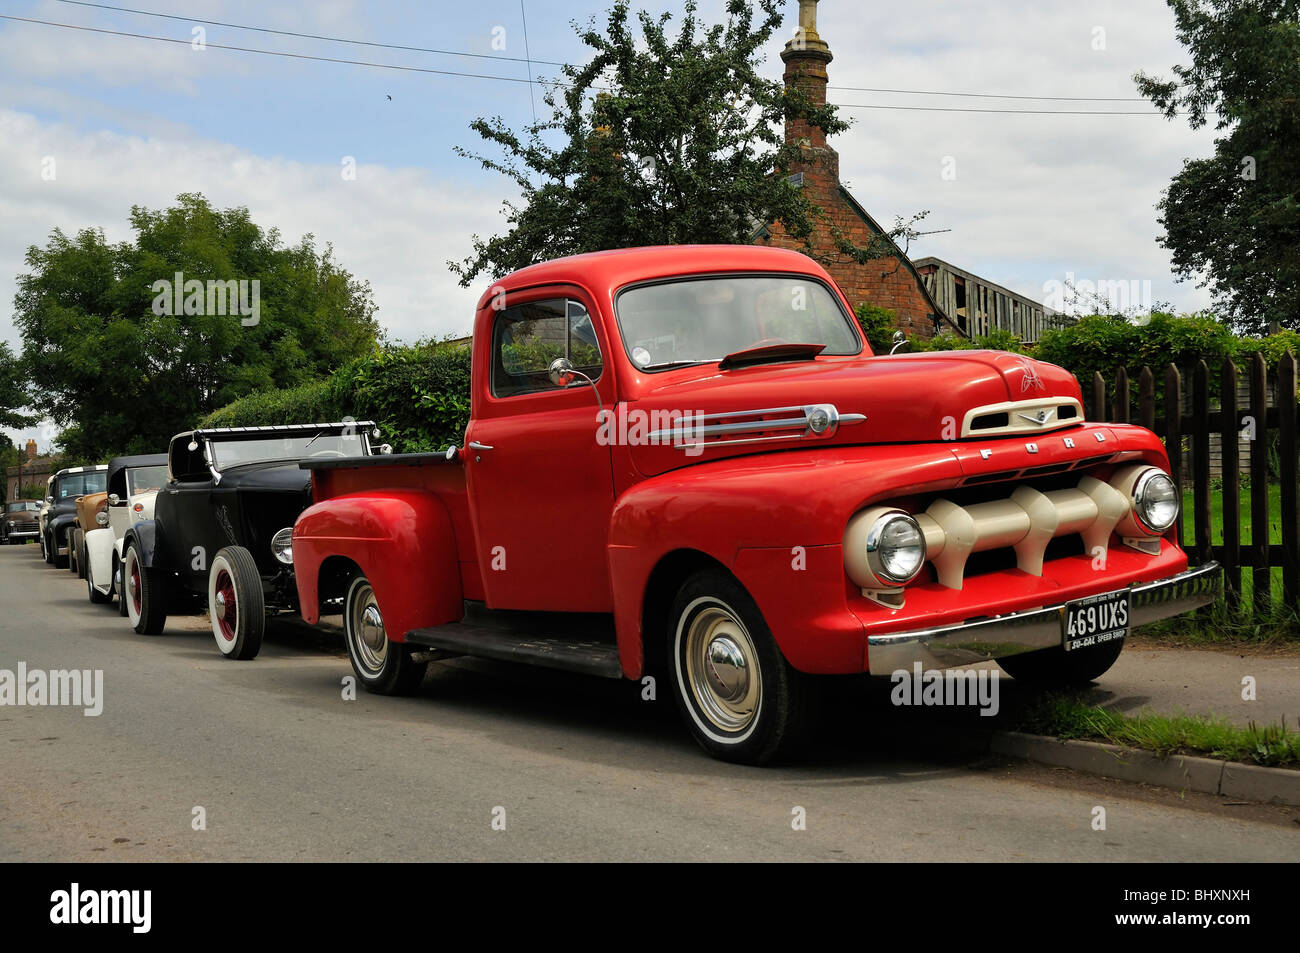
(147,535)
(404,543)
(100,550)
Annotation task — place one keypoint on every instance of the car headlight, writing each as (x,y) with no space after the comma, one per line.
(101,518)
(883,548)
(282,545)
(1154,501)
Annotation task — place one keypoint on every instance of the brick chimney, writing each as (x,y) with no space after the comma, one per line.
(31,450)
(806,56)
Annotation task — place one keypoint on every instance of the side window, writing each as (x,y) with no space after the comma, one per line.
(528,337)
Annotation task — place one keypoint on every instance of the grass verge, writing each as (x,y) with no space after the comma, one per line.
(1065,716)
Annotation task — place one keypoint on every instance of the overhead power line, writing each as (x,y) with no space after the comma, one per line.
(526,58)
(1026,112)
(307,36)
(296,56)
(528,80)
(935,92)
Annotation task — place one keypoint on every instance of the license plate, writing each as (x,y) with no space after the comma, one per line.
(1095,620)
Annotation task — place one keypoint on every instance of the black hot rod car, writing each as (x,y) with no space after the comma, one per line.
(222,527)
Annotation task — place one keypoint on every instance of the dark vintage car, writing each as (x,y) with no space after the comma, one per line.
(222,527)
(20,521)
(63,489)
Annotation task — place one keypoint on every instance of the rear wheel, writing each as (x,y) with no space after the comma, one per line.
(97,597)
(1057,668)
(144,593)
(236,603)
(737,694)
(382,666)
(76,553)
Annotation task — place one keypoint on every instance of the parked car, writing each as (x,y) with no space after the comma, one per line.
(90,509)
(686,462)
(21,522)
(133,484)
(62,491)
(221,527)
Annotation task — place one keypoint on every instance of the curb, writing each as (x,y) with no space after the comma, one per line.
(1180,772)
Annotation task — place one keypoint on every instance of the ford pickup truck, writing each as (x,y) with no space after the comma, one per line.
(685,463)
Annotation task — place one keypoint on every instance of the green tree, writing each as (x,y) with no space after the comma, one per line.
(1233,219)
(13,392)
(108,364)
(661,140)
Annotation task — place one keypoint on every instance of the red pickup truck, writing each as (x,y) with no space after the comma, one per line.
(686,463)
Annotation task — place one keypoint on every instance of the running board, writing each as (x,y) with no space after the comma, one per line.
(588,658)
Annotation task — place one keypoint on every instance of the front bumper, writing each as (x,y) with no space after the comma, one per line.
(31,533)
(1000,636)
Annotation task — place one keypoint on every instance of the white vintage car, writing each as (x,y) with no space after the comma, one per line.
(133,483)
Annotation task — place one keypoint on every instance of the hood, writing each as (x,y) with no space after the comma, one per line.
(905,398)
(275,475)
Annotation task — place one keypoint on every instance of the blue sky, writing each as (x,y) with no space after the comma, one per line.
(131,121)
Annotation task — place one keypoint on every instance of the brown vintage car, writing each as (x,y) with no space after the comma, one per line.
(19,523)
(92,513)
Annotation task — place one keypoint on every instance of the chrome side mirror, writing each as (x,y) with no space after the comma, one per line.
(562,373)
(901,344)
(113,499)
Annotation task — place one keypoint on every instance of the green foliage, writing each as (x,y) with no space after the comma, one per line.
(119,377)
(13,394)
(996,340)
(418,395)
(662,140)
(877,326)
(306,403)
(1233,219)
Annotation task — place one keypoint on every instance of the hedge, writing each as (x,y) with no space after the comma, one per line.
(417,394)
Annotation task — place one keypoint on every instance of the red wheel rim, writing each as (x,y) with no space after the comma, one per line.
(135,585)
(226,613)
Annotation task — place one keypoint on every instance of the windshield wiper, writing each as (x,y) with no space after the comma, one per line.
(313,440)
(770,354)
(662,364)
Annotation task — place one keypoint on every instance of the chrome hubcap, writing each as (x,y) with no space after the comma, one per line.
(367,625)
(722,668)
(221,605)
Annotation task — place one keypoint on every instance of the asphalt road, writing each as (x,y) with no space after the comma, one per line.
(284,768)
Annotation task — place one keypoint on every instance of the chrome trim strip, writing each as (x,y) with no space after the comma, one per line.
(687,432)
(968,643)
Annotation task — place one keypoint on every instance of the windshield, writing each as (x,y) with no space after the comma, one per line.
(20,507)
(145,480)
(233,453)
(705,319)
(79,484)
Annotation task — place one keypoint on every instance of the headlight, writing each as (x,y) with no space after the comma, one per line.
(282,545)
(1153,500)
(883,548)
(101,518)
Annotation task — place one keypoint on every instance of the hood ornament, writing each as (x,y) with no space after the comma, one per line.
(1030,380)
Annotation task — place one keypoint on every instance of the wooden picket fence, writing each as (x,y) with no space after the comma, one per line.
(1189,422)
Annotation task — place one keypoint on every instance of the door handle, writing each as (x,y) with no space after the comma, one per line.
(475,445)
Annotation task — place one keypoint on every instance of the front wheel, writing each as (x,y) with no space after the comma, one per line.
(739,697)
(144,593)
(382,666)
(236,603)
(76,553)
(47,552)
(1057,668)
(97,597)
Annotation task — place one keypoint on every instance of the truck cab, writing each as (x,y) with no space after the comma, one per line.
(686,462)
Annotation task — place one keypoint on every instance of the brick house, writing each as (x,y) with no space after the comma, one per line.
(892,282)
